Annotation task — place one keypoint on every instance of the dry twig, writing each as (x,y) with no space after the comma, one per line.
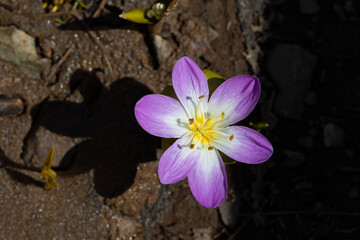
(55,67)
(98,10)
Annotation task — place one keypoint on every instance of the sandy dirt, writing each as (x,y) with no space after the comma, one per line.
(106,164)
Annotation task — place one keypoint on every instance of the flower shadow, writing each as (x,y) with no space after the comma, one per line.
(115,142)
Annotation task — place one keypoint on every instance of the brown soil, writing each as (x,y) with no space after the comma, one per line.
(106,164)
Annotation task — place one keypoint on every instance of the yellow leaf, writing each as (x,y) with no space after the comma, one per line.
(50,181)
(82,4)
(55,8)
(48,161)
(137,15)
(47,172)
(210,74)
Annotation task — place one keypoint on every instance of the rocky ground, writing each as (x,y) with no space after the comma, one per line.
(74,86)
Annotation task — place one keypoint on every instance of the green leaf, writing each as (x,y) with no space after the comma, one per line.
(226,159)
(214,83)
(60,21)
(258,126)
(214,80)
(166,143)
(76,4)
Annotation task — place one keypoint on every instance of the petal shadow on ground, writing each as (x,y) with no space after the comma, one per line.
(114,143)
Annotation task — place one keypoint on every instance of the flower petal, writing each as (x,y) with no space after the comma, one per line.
(161,116)
(189,83)
(176,161)
(207,179)
(247,146)
(236,97)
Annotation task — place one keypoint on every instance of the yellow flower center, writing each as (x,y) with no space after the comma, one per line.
(205,129)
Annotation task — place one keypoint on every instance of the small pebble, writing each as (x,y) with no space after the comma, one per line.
(309,6)
(310,99)
(354,193)
(333,135)
(11,106)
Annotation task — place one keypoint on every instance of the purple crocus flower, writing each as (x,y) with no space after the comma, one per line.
(202,126)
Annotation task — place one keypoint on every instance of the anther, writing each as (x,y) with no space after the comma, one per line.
(222,114)
(231,137)
(210,148)
(201,97)
(191,121)
(192,146)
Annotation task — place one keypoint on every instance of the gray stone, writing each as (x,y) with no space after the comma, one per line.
(294,159)
(349,7)
(333,135)
(304,185)
(163,47)
(354,192)
(309,6)
(202,233)
(18,49)
(310,98)
(307,142)
(228,212)
(11,106)
(339,11)
(278,2)
(290,66)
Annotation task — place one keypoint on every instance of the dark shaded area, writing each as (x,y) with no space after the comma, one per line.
(116,143)
(23,178)
(309,189)
(14,171)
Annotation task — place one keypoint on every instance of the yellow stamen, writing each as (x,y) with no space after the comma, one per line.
(196,138)
(193,127)
(198,112)
(204,129)
(210,135)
